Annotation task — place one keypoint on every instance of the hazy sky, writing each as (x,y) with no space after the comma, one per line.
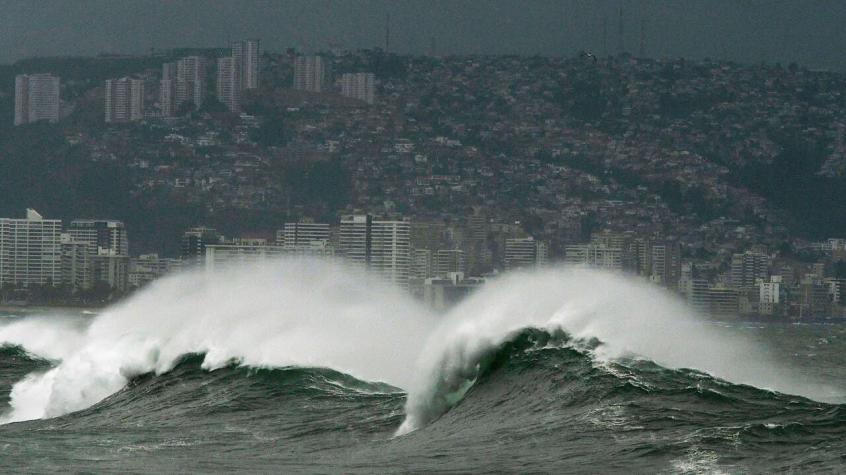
(810,32)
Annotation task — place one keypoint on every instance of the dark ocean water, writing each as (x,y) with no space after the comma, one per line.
(539,403)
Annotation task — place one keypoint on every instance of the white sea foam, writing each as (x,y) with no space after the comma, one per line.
(310,313)
(295,312)
(629,317)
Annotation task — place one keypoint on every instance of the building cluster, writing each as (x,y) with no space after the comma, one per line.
(184,83)
(40,252)
(500,161)
(435,261)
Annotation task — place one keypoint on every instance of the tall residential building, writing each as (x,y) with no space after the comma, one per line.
(390,254)
(242,253)
(194,242)
(124,100)
(359,86)
(769,295)
(247,52)
(167,90)
(229,83)
(384,246)
(303,233)
(665,263)
(36,98)
(524,252)
(77,268)
(449,261)
(355,238)
(422,267)
(148,267)
(311,73)
(104,237)
(746,268)
(594,255)
(190,81)
(30,250)
(107,251)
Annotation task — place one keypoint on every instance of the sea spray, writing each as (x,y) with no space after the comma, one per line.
(630,318)
(290,312)
(313,313)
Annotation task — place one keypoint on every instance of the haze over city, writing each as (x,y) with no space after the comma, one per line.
(808,32)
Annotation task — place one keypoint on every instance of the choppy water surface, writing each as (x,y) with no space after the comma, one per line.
(304,366)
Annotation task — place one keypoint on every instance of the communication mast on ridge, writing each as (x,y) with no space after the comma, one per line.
(621,48)
(387,31)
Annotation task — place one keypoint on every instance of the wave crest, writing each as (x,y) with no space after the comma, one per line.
(630,319)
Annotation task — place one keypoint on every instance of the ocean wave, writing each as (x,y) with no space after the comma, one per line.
(304,313)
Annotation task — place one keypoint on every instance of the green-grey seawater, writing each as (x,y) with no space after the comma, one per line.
(306,366)
(534,407)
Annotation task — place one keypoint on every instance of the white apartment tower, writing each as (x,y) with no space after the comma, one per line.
(390,250)
(311,73)
(355,238)
(229,83)
(594,255)
(190,81)
(246,52)
(746,268)
(30,250)
(124,100)
(384,246)
(359,86)
(303,233)
(449,261)
(524,252)
(36,98)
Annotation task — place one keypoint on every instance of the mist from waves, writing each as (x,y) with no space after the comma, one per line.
(292,312)
(298,312)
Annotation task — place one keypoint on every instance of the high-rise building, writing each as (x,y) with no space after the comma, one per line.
(36,98)
(524,252)
(167,91)
(148,267)
(190,81)
(390,254)
(311,73)
(355,238)
(105,237)
(107,249)
(124,100)
(422,267)
(746,268)
(247,54)
(769,295)
(194,242)
(449,261)
(303,233)
(384,246)
(594,255)
(229,83)
(30,250)
(359,86)
(665,263)
(239,252)
(76,263)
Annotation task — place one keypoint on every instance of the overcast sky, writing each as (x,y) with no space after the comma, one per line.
(810,32)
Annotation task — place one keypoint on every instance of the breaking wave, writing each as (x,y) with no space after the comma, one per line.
(303,313)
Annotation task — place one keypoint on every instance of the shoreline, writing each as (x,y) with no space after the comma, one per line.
(13,309)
